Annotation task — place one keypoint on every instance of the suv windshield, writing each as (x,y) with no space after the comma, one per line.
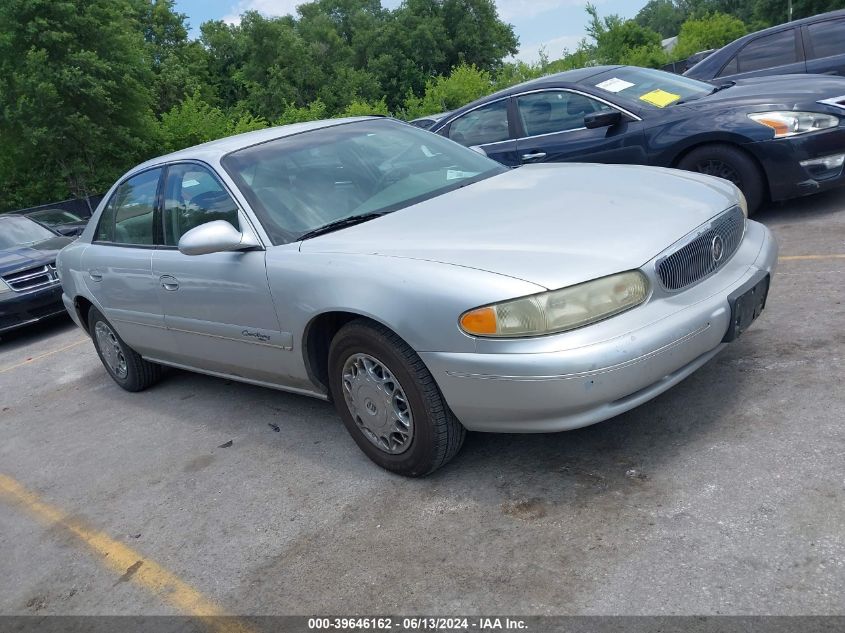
(649,87)
(301,183)
(19,231)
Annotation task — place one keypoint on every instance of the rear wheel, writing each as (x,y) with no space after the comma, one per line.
(389,402)
(730,163)
(123,364)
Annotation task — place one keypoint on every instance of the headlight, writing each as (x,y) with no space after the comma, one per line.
(4,287)
(558,310)
(791,123)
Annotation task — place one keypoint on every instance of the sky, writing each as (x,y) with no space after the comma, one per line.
(555,24)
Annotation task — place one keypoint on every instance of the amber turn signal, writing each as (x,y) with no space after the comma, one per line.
(480,321)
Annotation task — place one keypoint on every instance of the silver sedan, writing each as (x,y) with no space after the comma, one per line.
(421,287)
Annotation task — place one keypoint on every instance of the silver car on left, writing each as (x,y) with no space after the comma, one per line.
(419,285)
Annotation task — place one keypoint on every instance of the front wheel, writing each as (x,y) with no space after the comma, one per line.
(389,402)
(730,163)
(124,364)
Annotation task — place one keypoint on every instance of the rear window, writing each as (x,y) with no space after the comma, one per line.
(769,51)
(827,38)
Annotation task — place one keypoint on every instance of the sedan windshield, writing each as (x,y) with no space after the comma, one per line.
(54,216)
(649,87)
(18,231)
(301,183)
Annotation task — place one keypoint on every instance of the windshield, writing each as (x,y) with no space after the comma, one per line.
(54,216)
(649,87)
(18,231)
(300,183)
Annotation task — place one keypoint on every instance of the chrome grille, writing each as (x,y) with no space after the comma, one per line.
(32,278)
(705,253)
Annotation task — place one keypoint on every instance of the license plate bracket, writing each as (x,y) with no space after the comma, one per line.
(747,302)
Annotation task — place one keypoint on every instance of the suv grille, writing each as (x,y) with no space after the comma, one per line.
(705,253)
(32,278)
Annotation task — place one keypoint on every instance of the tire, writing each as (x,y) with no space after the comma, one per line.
(731,163)
(392,390)
(133,373)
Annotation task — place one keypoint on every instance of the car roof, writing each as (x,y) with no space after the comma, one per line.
(213,151)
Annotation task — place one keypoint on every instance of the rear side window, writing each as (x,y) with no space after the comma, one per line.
(194,196)
(128,216)
(769,51)
(488,124)
(827,38)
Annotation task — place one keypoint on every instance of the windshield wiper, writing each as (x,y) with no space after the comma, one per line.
(339,224)
(724,86)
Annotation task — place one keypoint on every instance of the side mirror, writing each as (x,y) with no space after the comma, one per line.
(602,119)
(215,237)
(479,149)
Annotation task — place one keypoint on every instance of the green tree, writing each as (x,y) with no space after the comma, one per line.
(75,102)
(619,41)
(463,85)
(366,108)
(662,16)
(180,65)
(314,111)
(710,31)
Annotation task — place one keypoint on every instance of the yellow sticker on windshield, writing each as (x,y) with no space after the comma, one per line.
(659,98)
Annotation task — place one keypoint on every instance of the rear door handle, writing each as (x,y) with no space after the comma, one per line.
(534,156)
(95,275)
(169,283)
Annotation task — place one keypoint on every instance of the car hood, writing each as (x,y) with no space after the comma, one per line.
(19,257)
(551,224)
(783,91)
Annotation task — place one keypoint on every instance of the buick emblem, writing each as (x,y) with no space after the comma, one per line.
(717,248)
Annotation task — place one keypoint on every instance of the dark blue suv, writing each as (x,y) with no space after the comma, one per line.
(813,45)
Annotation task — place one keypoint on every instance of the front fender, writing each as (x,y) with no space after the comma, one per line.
(419,300)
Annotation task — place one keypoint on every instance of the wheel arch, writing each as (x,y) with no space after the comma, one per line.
(317,339)
(682,153)
(83,307)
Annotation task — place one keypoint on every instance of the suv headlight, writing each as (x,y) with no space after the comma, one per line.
(786,123)
(4,287)
(558,310)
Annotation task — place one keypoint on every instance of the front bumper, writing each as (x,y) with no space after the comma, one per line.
(781,159)
(20,309)
(570,380)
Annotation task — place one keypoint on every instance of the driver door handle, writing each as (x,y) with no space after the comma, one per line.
(95,275)
(169,283)
(534,156)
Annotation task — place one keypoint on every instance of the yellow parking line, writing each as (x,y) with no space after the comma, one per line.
(44,355)
(790,258)
(131,565)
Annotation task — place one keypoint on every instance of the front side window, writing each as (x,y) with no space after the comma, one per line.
(487,124)
(128,216)
(300,183)
(769,51)
(193,196)
(827,38)
(555,111)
